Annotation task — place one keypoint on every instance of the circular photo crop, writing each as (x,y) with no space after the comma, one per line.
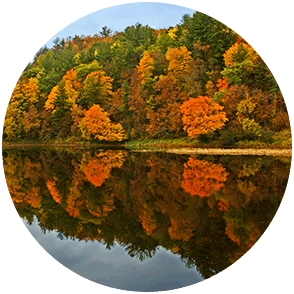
(147,147)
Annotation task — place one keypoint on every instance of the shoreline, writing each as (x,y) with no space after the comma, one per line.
(221,151)
(157,148)
(233,151)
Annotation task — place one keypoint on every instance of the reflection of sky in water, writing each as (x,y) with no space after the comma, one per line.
(114,268)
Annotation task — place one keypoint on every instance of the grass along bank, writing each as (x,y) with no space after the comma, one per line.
(165,144)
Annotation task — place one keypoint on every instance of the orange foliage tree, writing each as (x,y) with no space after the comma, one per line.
(32,121)
(97,125)
(202,115)
(137,107)
(222,84)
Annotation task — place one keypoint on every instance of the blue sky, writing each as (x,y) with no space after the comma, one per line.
(117,18)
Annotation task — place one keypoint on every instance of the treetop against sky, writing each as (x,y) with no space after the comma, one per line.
(117,18)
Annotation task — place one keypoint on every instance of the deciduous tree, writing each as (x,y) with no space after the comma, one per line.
(179,61)
(97,125)
(97,89)
(202,115)
(165,113)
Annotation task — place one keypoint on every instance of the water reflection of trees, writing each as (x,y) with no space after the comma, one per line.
(208,210)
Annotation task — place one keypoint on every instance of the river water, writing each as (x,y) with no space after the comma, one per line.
(144,221)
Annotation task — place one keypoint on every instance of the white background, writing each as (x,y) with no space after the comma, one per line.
(27,25)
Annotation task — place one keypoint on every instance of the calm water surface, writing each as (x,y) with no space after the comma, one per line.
(144,221)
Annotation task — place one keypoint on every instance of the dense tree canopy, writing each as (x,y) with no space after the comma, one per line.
(153,84)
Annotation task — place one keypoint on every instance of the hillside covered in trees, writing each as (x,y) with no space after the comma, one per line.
(199,81)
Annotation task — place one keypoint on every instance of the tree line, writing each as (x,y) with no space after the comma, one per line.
(198,80)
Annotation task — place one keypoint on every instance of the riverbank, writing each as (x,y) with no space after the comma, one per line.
(167,146)
(221,151)
(183,146)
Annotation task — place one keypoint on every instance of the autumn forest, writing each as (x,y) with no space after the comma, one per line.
(198,81)
(96,150)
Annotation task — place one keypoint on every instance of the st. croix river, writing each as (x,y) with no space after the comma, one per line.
(144,221)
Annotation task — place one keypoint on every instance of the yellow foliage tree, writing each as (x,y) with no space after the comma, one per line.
(179,61)
(49,104)
(31,91)
(23,97)
(145,68)
(72,87)
(13,124)
(240,52)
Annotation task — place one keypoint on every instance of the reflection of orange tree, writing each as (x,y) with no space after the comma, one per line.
(153,196)
(101,209)
(147,218)
(168,200)
(98,168)
(51,185)
(182,221)
(239,195)
(94,169)
(223,205)
(73,199)
(181,227)
(142,189)
(202,178)
(32,196)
